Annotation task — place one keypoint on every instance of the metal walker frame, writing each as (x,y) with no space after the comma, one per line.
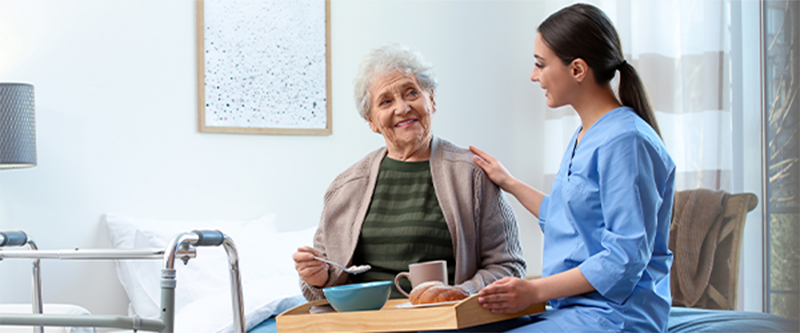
(180,247)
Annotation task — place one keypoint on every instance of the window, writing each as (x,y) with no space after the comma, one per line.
(781,149)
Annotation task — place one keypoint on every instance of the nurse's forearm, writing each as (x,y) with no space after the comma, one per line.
(528,196)
(564,284)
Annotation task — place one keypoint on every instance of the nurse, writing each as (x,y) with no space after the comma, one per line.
(606,262)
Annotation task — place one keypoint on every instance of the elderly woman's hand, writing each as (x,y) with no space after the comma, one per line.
(313,271)
(493,168)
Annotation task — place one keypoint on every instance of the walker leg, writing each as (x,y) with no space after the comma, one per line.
(168,299)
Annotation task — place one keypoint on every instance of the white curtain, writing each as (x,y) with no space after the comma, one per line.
(681,51)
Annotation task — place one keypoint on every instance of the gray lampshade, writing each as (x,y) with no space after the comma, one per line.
(17,126)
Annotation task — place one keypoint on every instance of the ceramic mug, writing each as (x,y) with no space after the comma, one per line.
(422,272)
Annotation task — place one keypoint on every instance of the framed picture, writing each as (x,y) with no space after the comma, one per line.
(264,66)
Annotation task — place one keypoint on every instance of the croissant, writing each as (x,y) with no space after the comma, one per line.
(435,292)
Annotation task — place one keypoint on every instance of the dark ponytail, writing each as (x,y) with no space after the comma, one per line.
(584,31)
(633,94)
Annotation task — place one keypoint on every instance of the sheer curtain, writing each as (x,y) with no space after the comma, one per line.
(681,51)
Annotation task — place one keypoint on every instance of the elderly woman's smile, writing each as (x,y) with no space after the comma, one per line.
(400,110)
(405,123)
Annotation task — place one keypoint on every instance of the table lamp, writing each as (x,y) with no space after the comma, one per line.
(18,150)
(17,126)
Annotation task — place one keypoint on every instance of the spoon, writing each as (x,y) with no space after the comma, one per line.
(351,270)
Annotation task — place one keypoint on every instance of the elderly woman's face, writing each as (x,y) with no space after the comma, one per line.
(400,109)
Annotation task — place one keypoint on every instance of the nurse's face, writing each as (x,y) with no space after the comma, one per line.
(553,76)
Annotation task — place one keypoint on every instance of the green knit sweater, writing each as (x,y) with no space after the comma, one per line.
(484,230)
(404,225)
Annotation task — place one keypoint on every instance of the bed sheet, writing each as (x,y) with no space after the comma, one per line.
(269,325)
(685,320)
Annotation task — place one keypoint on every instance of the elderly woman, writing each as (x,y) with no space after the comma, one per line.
(420,198)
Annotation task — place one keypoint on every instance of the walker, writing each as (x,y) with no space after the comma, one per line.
(180,247)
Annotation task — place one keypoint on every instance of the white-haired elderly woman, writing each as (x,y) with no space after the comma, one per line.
(418,199)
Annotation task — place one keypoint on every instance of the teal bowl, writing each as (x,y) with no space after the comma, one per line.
(367,296)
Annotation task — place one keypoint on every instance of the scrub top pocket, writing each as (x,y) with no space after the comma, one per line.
(582,199)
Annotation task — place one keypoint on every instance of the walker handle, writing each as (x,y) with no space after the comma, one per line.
(13,238)
(209,237)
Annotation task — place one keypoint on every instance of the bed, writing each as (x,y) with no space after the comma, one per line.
(685,320)
(681,320)
(270,284)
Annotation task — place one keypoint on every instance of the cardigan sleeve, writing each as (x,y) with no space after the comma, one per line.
(329,240)
(498,243)
(340,223)
(309,291)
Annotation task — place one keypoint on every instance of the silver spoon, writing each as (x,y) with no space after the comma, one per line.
(351,270)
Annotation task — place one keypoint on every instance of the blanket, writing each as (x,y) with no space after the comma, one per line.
(693,239)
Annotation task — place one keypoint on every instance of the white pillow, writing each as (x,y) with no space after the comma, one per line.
(140,278)
(202,295)
(268,277)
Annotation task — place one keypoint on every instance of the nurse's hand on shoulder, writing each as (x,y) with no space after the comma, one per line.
(313,271)
(493,168)
(507,295)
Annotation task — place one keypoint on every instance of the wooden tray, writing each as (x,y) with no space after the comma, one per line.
(466,313)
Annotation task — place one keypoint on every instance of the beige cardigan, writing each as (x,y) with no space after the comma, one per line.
(485,234)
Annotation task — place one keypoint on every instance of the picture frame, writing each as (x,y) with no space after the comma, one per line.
(264,67)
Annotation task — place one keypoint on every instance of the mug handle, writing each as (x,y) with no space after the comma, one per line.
(397,282)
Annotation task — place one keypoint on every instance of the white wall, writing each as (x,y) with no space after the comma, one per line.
(117,127)
(116,120)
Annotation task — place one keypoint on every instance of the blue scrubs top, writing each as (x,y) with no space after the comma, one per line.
(609,215)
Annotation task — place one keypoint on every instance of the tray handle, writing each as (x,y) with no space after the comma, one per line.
(469,312)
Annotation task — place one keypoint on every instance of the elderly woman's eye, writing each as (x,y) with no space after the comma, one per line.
(413,93)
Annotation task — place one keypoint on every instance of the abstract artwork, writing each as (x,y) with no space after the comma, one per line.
(264,66)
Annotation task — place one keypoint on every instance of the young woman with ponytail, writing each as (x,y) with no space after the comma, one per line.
(606,222)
